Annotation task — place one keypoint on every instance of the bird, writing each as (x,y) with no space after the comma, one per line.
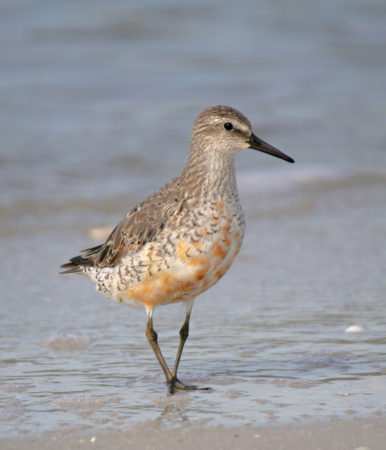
(181,239)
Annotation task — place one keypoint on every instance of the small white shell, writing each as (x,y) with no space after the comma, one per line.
(355,329)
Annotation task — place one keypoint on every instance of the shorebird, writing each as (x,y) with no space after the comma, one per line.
(182,239)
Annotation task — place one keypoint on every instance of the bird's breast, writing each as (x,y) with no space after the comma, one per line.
(187,261)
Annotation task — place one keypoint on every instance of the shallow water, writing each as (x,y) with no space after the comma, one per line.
(96,113)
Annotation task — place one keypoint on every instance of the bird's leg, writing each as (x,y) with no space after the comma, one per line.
(171,378)
(152,337)
(184,333)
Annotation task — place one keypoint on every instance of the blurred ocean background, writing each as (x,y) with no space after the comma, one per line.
(97,102)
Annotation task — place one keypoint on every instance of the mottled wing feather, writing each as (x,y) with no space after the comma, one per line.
(136,229)
(140,226)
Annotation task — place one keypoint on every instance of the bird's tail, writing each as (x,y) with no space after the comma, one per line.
(75,265)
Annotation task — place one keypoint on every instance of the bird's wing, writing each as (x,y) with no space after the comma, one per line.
(140,226)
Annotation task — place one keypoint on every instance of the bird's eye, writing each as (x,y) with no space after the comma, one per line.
(228,126)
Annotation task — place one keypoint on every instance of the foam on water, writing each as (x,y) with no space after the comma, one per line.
(302,176)
(67,339)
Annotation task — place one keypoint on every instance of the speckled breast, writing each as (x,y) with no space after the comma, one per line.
(200,257)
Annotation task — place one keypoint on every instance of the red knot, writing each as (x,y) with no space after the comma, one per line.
(183,238)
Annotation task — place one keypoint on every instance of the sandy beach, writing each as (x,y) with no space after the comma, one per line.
(358,434)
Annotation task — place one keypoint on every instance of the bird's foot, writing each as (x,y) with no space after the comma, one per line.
(175,383)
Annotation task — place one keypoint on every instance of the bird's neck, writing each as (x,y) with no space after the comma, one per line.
(211,175)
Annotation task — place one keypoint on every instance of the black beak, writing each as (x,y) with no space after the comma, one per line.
(258,144)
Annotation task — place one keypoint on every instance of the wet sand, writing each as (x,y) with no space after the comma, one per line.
(359,434)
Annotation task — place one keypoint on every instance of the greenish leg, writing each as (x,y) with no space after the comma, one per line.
(171,378)
(175,383)
(152,337)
